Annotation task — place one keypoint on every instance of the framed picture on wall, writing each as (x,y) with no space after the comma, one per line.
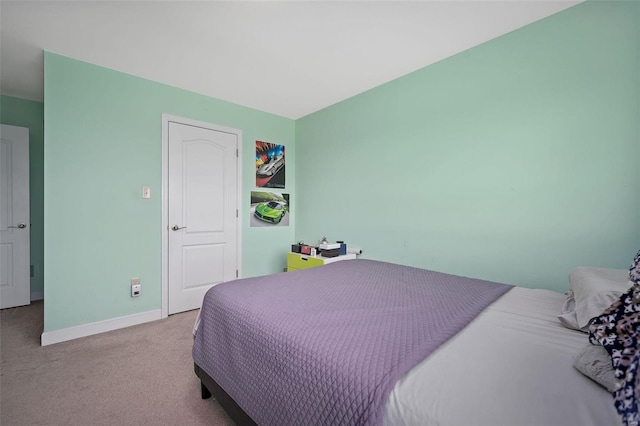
(270,165)
(269,209)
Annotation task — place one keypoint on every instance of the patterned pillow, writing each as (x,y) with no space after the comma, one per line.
(618,330)
(634,271)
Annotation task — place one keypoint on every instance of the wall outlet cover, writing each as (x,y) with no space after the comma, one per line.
(135,290)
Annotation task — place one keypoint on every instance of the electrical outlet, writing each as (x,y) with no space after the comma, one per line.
(135,287)
(135,290)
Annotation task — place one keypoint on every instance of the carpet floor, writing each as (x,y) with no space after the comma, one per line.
(140,375)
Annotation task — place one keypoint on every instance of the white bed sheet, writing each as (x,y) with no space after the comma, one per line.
(513,365)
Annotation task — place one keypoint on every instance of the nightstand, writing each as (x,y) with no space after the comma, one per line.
(297,261)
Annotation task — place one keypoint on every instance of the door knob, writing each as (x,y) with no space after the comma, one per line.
(20,225)
(177,228)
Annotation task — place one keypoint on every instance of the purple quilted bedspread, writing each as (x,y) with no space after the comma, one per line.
(325,346)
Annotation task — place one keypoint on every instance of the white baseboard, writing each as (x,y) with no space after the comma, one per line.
(57,336)
(37,295)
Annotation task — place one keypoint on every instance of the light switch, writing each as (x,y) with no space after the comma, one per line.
(146,192)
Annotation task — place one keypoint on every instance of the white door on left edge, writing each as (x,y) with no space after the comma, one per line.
(202,222)
(15,281)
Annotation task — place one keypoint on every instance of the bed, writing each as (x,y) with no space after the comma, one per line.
(368,342)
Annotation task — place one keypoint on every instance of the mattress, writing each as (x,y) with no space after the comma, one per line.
(512,365)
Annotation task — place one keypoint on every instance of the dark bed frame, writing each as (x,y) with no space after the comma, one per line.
(209,387)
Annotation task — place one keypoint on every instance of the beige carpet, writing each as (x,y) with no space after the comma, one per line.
(141,375)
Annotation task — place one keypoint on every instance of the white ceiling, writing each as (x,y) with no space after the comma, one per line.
(289,58)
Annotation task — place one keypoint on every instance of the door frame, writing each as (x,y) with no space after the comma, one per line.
(166,119)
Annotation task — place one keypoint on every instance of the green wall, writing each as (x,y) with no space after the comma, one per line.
(30,114)
(514,161)
(102,144)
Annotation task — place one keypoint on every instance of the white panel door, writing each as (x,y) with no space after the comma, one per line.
(202,222)
(15,281)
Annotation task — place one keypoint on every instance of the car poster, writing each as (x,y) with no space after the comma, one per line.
(269,165)
(269,209)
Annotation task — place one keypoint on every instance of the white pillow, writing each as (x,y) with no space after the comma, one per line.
(595,363)
(592,291)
